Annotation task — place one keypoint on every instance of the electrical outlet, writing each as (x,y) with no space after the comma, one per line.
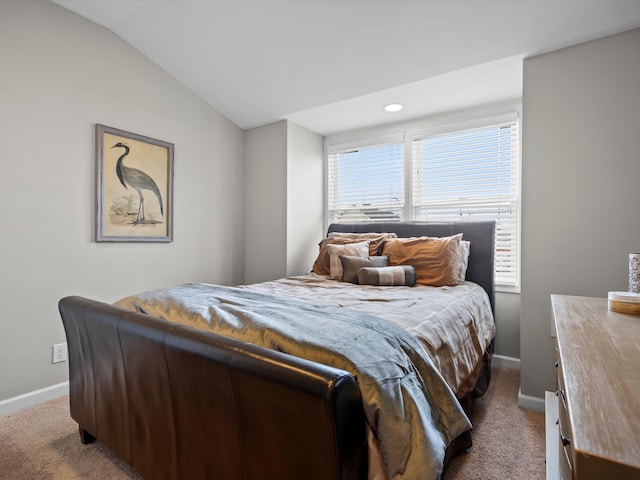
(59,353)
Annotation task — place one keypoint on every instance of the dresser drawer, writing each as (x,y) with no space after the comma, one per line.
(564,459)
(564,430)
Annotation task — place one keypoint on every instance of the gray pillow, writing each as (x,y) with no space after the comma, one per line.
(351,265)
(399,275)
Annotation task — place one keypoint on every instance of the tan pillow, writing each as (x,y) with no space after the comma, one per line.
(435,259)
(321,265)
(360,249)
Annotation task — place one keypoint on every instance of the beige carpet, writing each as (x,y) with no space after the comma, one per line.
(508,441)
(42,442)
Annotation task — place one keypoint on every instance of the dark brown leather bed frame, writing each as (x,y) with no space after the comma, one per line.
(178,403)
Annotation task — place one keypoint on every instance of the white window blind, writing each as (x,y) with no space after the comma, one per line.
(366,184)
(472,174)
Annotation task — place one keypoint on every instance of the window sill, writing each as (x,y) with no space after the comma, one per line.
(508,289)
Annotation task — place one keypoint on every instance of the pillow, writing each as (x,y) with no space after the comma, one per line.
(321,265)
(360,249)
(435,259)
(463,259)
(400,275)
(351,265)
(362,236)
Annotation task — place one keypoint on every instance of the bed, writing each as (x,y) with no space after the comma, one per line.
(302,377)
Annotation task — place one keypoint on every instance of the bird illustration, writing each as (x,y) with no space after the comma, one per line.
(138,180)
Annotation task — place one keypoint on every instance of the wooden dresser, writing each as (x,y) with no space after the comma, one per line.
(598,390)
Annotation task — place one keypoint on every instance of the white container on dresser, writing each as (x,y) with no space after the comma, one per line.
(598,392)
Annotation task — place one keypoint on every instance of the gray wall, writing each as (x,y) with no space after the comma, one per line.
(305,194)
(266,187)
(581,171)
(284,200)
(507,317)
(61,74)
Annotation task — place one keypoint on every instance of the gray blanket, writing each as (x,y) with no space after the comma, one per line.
(410,409)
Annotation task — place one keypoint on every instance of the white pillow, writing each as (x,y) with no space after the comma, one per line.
(360,249)
(463,259)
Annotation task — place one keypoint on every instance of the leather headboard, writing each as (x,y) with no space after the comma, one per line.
(481,235)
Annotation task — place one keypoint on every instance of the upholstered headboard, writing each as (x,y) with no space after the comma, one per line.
(481,235)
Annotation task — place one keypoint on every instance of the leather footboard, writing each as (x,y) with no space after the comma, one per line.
(178,403)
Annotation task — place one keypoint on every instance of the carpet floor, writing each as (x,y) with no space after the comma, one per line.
(42,442)
(508,441)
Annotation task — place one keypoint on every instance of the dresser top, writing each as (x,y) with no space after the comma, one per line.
(600,355)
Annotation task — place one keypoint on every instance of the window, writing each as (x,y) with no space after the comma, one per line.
(457,172)
(366,184)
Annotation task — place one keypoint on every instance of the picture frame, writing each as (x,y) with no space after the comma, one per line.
(134,187)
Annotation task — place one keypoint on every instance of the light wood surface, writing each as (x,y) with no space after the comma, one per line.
(599,374)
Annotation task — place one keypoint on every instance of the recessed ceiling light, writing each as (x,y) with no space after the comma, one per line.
(393,107)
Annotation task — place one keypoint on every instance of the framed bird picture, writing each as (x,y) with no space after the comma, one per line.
(134,187)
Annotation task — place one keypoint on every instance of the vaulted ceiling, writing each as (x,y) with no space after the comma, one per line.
(331,65)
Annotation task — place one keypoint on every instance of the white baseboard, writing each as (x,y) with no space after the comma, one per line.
(530,403)
(525,401)
(14,404)
(505,362)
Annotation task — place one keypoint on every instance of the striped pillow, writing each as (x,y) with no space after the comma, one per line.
(351,265)
(399,275)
